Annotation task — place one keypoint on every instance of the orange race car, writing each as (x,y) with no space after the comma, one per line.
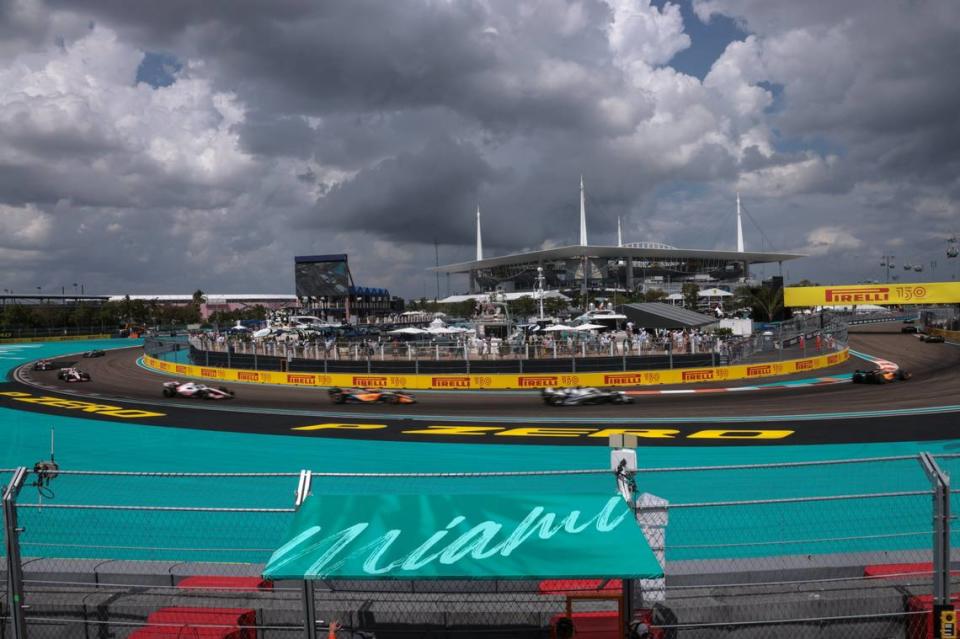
(369,396)
(880,376)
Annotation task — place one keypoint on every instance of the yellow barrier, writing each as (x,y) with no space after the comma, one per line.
(53,338)
(884,294)
(504,381)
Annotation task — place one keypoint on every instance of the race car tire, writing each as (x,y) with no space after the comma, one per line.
(393,399)
(903,375)
(203,394)
(168,392)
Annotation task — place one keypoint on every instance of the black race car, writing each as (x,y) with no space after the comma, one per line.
(43,365)
(879,376)
(71,374)
(909,329)
(369,396)
(932,339)
(583,396)
(94,353)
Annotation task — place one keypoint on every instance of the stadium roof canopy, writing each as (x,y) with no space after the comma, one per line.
(210,297)
(614,252)
(509,297)
(657,315)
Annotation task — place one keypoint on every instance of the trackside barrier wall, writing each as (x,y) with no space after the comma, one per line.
(501,381)
(835,548)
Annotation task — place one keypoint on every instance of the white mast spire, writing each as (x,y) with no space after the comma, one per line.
(479,237)
(619,233)
(739,227)
(583,215)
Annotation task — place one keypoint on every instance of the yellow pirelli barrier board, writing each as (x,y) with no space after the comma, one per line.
(54,338)
(506,381)
(881,294)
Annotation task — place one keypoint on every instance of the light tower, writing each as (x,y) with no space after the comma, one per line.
(479,237)
(583,215)
(739,227)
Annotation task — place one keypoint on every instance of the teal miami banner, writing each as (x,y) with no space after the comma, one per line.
(463,537)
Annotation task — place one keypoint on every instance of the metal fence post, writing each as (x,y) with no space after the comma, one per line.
(941,529)
(12,531)
(309,610)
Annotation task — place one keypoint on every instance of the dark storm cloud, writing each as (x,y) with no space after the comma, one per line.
(373,127)
(413,197)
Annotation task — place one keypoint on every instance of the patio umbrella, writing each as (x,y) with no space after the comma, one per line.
(587,327)
(409,330)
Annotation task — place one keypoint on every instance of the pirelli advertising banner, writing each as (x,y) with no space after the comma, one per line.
(880,294)
(507,381)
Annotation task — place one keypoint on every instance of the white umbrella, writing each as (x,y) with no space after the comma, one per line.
(558,327)
(410,330)
(587,327)
(442,330)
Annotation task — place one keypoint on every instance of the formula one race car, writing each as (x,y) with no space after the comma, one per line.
(73,375)
(369,396)
(879,376)
(932,339)
(193,389)
(43,365)
(94,353)
(909,329)
(583,396)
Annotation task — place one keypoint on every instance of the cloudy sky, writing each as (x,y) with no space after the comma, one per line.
(168,146)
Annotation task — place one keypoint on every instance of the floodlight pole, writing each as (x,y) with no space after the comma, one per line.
(14,565)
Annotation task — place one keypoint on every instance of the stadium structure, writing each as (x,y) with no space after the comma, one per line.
(626,267)
(326,288)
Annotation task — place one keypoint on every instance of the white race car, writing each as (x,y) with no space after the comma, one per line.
(193,389)
(583,396)
(73,375)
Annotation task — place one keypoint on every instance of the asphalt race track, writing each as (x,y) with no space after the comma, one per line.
(924,408)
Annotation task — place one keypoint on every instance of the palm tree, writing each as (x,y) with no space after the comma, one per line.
(765,302)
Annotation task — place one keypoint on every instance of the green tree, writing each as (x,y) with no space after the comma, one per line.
(554,306)
(765,302)
(690,297)
(654,295)
(523,307)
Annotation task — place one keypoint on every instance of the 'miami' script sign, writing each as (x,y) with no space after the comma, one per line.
(463,537)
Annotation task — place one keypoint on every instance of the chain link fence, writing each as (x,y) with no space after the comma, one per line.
(836,548)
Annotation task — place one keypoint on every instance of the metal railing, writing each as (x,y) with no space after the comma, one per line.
(571,353)
(830,548)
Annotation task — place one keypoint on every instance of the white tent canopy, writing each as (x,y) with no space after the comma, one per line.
(714,292)
(588,327)
(408,331)
(558,327)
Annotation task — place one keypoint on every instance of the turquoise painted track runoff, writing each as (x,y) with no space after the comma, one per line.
(84,443)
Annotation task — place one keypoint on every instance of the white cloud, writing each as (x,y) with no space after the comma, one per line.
(830,239)
(24,227)
(640,32)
